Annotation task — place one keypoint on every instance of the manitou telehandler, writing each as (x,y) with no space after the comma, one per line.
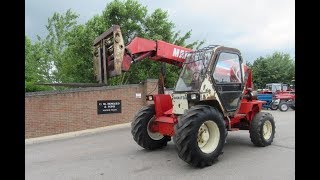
(212,96)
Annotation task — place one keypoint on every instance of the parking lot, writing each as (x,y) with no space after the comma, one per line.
(115,155)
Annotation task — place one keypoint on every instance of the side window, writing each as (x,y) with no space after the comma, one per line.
(227,69)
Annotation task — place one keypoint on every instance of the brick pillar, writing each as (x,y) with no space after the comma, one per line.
(150,88)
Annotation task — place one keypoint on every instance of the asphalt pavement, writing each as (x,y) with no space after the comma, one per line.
(115,155)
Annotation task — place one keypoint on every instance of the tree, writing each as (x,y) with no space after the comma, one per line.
(277,68)
(36,67)
(59,28)
(76,61)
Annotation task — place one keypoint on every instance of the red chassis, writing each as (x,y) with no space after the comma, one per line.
(166,120)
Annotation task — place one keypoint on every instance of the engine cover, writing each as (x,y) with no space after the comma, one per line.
(180,103)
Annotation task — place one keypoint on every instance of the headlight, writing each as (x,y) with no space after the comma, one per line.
(149,97)
(193,96)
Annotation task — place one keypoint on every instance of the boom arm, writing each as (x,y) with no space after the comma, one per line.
(157,50)
(112,58)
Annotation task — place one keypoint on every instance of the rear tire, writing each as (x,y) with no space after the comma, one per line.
(200,135)
(262,129)
(140,132)
(293,105)
(283,106)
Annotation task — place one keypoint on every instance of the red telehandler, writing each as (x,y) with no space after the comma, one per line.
(212,96)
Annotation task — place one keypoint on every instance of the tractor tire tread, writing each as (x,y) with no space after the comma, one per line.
(185,129)
(256,129)
(139,129)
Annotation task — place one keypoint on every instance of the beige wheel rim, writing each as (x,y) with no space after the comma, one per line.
(267,130)
(153,135)
(208,136)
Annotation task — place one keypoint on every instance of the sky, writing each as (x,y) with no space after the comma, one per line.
(255,27)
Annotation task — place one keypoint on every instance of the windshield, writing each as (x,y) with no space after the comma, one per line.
(284,87)
(269,87)
(277,87)
(193,70)
(227,69)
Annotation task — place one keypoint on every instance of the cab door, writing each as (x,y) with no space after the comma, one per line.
(227,75)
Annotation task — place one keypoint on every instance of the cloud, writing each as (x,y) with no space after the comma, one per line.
(273,36)
(256,27)
(260,24)
(37,12)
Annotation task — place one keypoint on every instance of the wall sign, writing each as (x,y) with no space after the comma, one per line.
(109,106)
(138,95)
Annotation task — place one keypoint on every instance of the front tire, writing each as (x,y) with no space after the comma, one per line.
(141,133)
(200,135)
(262,129)
(273,106)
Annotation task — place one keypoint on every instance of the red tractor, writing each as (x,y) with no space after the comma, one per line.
(212,96)
(278,96)
(284,100)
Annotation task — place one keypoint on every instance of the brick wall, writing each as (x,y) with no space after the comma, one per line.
(55,112)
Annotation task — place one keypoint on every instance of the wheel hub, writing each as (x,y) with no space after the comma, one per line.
(283,106)
(203,135)
(208,136)
(267,130)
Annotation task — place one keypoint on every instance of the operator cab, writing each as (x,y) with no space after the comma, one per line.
(213,75)
(194,70)
(275,87)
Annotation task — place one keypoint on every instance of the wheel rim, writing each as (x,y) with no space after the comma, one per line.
(267,130)
(208,136)
(284,106)
(273,106)
(153,135)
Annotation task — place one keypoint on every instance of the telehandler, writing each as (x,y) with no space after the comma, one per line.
(212,96)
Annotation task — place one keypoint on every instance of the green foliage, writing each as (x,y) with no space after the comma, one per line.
(130,15)
(36,67)
(277,68)
(77,65)
(55,44)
